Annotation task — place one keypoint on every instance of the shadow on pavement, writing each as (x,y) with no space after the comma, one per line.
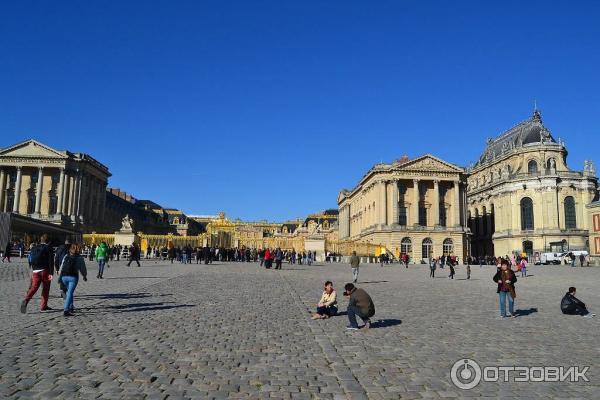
(134,277)
(528,311)
(385,323)
(120,295)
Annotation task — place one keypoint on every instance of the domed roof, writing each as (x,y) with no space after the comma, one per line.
(530,131)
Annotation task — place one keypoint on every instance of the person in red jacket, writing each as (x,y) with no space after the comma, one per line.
(268,258)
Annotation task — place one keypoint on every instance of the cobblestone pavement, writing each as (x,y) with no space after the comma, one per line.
(239,331)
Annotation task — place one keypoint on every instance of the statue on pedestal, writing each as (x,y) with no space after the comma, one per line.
(126,224)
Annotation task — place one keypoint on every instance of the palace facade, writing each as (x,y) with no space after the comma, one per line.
(594,221)
(55,186)
(523,197)
(415,207)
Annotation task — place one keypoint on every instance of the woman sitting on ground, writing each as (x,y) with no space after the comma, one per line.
(327,306)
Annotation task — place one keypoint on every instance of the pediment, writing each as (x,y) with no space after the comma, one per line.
(342,195)
(32,149)
(429,163)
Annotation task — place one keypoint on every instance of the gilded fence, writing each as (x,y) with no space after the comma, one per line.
(346,247)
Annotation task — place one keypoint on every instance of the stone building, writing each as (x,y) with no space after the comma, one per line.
(593,217)
(56,186)
(414,206)
(148,217)
(523,197)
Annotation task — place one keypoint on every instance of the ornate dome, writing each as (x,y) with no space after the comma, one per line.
(530,131)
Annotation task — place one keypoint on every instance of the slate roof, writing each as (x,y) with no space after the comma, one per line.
(530,131)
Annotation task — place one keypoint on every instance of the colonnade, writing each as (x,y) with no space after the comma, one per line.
(77,194)
(380,203)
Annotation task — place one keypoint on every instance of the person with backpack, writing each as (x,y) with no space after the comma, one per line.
(40,259)
(101,257)
(72,265)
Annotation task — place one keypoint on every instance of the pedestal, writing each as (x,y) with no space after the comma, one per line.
(126,238)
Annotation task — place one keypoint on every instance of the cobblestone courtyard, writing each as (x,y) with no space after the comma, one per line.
(239,331)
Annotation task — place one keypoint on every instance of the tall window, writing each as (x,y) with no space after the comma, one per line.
(422,216)
(30,202)
(570,215)
(442,215)
(402,220)
(10,202)
(527,214)
(406,246)
(448,247)
(532,167)
(53,203)
(426,247)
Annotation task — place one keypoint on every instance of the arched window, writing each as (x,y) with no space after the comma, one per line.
(448,247)
(426,248)
(570,214)
(406,246)
(527,214)
(532,167)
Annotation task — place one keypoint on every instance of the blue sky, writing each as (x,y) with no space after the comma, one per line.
(266,109)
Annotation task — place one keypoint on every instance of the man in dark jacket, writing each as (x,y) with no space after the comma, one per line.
(42,265)
(359,303)
(571,305)
(134,254)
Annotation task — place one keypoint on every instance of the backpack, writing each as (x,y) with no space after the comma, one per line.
(36,256)
(69,267)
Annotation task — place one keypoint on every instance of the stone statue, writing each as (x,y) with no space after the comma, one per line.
(592,168)
(126,224)
(552,164)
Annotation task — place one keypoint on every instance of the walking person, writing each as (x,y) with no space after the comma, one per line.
(354,264)
(41,261)
(523,267)
(359,303)
(432,267)
(101,257)
(506,279)
(7,250)
(278,258)
(72,265)
(134,255)
(468,271)
(452,271)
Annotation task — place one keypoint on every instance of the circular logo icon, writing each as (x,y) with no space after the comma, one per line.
(465,374)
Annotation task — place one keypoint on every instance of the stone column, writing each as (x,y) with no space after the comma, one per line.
(436,203)
(2,189)
(76,195)
(17,198)
(395,201)
(61,192)
(383,203)
(416,196)
(456,204)
(38,192)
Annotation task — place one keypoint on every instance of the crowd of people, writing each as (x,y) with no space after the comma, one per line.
(67,261)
